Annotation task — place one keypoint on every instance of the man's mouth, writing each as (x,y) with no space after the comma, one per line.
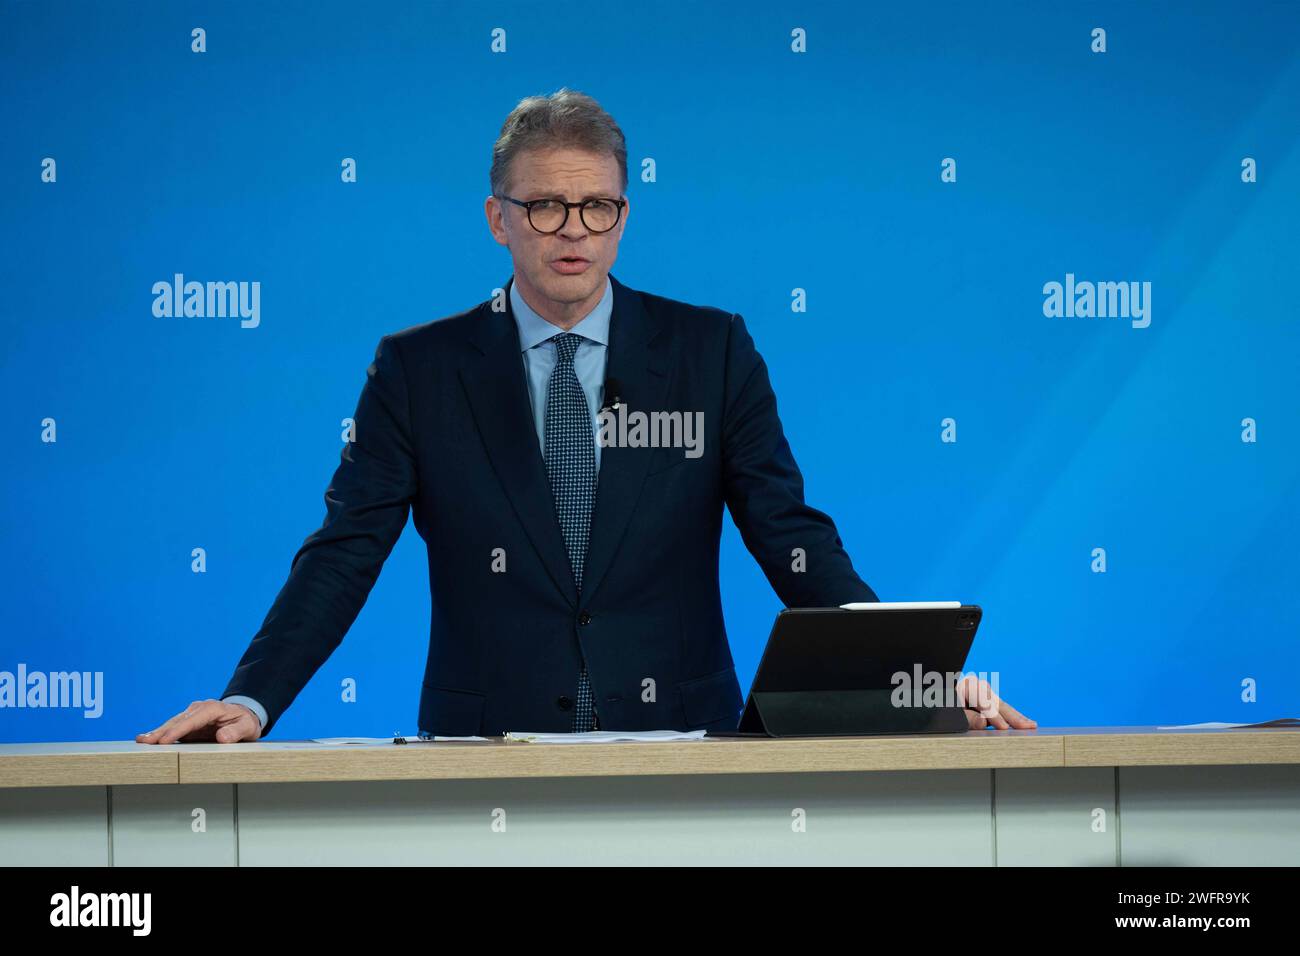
(570,265)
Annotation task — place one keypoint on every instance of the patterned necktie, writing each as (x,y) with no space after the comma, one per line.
(571,469)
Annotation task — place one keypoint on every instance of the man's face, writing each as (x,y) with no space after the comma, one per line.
(559,291)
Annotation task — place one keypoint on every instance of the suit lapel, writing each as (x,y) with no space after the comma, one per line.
(498,397)
(638,360)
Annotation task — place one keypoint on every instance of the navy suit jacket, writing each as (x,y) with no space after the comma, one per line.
(443,427)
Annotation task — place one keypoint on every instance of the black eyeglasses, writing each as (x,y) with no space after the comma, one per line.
(550,215)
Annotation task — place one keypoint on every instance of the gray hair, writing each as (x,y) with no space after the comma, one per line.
(566,118)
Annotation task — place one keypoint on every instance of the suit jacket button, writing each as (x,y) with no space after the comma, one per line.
(564,703)
(584,618)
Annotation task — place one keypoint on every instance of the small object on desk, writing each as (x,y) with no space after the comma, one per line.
(898,605)
(395,739)
(607,737)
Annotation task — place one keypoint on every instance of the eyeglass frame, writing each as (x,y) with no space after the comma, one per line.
(528,210)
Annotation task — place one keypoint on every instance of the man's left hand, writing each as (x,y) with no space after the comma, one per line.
(985,709)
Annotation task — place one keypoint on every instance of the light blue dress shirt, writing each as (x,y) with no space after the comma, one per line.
(538,353)
(251,704)
(539,357)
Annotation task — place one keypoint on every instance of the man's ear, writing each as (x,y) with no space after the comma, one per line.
(496,221)
(622,223)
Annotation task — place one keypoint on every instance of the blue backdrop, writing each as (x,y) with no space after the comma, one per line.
(775,170)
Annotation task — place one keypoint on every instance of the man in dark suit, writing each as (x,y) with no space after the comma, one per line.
(573,564)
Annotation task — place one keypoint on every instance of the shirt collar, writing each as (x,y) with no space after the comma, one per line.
(534,330)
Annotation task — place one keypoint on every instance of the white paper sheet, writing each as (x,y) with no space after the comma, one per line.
(607,737)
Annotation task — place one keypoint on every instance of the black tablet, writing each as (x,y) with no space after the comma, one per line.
(862,670)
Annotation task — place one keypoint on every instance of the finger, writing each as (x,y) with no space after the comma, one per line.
(997,721)
(152,736)
(976,720)
(188,723)
(1016,718)
(243,727)
(969,692)
(979,695)
(988,701)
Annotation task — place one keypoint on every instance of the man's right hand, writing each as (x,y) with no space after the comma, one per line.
(205,721)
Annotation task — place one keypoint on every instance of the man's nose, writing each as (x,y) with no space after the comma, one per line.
(573,227)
